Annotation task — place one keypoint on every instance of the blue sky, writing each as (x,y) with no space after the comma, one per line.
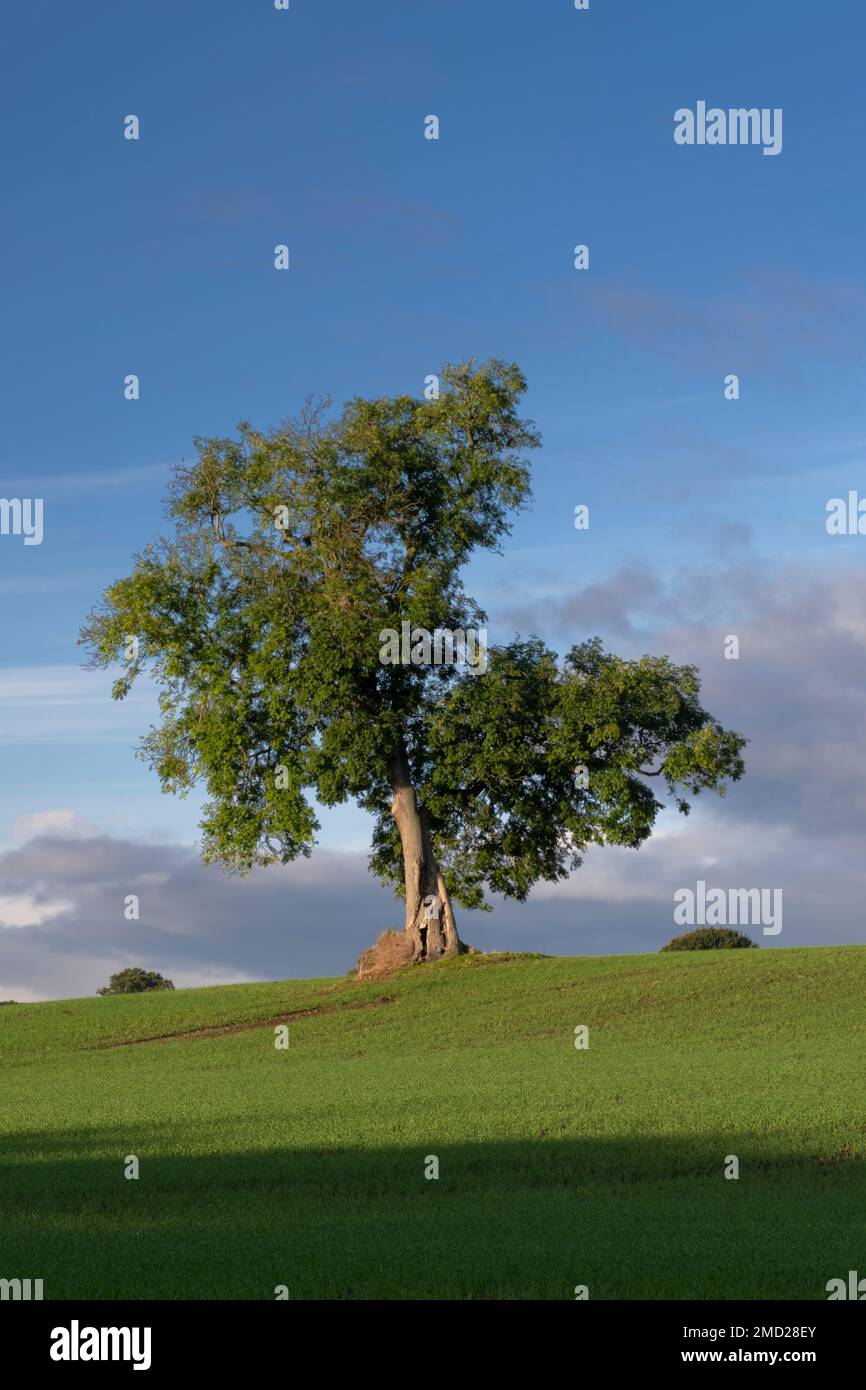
(707,516)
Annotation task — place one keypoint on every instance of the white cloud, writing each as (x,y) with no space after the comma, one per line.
(54,823)
(714,842)
(20,993)
(23,910)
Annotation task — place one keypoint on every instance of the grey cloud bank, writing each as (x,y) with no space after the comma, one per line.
(313,918)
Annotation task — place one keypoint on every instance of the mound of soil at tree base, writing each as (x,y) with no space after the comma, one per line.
(392,950)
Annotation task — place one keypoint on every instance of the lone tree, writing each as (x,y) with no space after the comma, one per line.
(266,618)
(134,980)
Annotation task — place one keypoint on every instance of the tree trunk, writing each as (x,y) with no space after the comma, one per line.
(430,938)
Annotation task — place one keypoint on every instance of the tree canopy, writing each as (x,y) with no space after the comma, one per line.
(261,619)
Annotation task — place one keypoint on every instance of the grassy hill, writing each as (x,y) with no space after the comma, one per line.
(558,1167)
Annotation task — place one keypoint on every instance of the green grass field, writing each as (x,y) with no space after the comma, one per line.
(558,1167)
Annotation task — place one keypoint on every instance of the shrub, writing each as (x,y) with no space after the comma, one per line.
(709,939)
(134,980)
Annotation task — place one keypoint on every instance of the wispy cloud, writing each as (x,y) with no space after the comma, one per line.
(65,704)
(776,321)
(48,485)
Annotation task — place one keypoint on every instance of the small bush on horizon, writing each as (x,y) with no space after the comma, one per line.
(709,939)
